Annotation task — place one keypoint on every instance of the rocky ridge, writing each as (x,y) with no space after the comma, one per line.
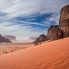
(58,31)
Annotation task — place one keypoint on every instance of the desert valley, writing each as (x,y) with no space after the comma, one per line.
(49,51)
(48,55)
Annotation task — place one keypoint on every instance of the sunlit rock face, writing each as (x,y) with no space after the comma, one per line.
(54,33)
(62,30)
(64,20)
(58,31)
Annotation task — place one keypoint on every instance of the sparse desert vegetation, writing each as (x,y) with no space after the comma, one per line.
(7,48)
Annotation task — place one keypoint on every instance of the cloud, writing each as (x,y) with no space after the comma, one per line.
(28,7)
(28,18)
(23,33)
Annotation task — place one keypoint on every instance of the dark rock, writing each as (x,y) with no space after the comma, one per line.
(40,39)
(10,37)
(4,40)
(54,33)
(37,41)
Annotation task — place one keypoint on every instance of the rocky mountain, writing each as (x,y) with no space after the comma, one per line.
(54,33)
(64,20)
(61,30)
(10,37)
(57,31)
(40,39)
(4,40)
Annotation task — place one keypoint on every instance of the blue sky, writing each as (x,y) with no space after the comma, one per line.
(29,18)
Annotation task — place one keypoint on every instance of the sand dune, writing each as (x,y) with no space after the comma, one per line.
(48,55)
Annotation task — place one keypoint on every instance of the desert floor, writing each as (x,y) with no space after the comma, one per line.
(8,48)
(48,55)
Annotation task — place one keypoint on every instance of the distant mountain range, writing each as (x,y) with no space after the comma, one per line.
(10,37)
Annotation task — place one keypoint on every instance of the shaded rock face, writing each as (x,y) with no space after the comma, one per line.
(4,40)
(10,37)
(64,20)
(54,33)
(40,39)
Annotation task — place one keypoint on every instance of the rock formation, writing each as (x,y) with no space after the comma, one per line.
(64,20)
(61,30)
(57,31)
(54,33)
(4,40)
(40,39)
(10,37)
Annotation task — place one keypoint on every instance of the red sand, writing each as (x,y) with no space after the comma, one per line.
(49,55)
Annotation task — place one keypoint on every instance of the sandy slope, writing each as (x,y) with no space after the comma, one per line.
(51,55)
(7,48)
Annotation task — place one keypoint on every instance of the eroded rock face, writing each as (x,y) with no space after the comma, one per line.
(10,37)
(58,31)
(4,40)
(64,20)
(61,30)
(40,39)
(54,33)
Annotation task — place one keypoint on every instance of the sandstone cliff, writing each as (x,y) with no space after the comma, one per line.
(64,20)
(61,30)
(57,31)
(54,33)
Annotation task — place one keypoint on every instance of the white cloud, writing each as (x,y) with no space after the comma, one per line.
(14,8)
(28,7)
(4,4)
(21,32)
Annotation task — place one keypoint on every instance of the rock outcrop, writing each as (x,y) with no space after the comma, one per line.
(57,31)
(54,33)
(62,30)
(10,37)
(4,40)
(40,39)
(64,20)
